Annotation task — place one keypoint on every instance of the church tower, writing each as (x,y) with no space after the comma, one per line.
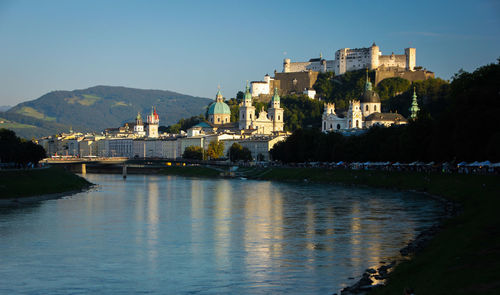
(153,121)
(276,112)
(354,115)
(139,126)
(247,110)
(414,106)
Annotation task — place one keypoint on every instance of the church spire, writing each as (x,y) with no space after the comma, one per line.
(248,95)
(368,84)
(414,106)
(218,96)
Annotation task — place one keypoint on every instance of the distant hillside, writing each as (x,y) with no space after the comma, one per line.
(4,108)
(100,107)
(29,127)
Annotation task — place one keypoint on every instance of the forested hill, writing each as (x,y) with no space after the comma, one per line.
(100,107)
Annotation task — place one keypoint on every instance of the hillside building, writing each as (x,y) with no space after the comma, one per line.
(362,113)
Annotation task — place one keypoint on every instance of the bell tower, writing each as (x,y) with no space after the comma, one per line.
(276,112)
(247,110)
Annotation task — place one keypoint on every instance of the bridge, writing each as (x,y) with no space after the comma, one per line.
(126,165)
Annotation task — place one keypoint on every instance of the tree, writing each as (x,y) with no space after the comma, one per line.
(238,153)
(215,149)
(193,152)
(19,151)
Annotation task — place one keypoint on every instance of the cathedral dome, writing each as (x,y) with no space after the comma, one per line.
(219,108)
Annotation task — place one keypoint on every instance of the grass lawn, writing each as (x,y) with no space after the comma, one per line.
(25,183)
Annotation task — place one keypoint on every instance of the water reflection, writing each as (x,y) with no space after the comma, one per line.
(164,234)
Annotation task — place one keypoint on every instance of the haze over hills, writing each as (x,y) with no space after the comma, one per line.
(4,108)
(100,107)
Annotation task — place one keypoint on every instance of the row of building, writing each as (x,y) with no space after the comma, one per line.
(141,139)
(169,147)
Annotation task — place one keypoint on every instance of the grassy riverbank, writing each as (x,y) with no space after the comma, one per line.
(26,183)
(463,258)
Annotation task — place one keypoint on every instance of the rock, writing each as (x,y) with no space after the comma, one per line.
(371,270)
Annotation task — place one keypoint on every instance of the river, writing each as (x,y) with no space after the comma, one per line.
(174,235)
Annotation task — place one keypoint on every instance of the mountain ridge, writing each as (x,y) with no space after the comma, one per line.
(99,107)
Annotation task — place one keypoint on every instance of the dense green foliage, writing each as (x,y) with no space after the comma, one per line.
(193,152)
(391,87)
(341,89)
(238,153)
(301,112)
(432,96)
(19,151)
(460,125)
(215,150)
(101,107)
(13,183)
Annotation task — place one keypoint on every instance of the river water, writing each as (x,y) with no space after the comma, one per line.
(176,235)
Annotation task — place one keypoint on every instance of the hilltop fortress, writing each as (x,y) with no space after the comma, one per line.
(347,59)
(299,77)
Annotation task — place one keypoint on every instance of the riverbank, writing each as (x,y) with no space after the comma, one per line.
(462,257)
(38,184)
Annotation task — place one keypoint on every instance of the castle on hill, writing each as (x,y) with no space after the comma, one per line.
(299,77)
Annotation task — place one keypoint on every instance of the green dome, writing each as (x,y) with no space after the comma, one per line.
(219,108)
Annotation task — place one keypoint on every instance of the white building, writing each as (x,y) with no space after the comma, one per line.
(265,122)
(347,59)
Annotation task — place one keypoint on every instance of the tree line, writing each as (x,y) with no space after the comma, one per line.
(457,122)
(17,151)
(215,151)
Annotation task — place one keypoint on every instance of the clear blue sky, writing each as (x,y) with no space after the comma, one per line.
(192,46)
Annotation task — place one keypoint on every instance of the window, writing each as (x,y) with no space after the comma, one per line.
(331,126)
(357,124)
(338,126)
(278,117)
(324,125)
(218,120)
(366,107)
(375,107)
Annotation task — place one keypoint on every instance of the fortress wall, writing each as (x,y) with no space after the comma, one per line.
(303,80)
(393,61)
(411,76)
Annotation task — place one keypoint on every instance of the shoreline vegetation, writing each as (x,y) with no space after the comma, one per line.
(457,257)
(31,185)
